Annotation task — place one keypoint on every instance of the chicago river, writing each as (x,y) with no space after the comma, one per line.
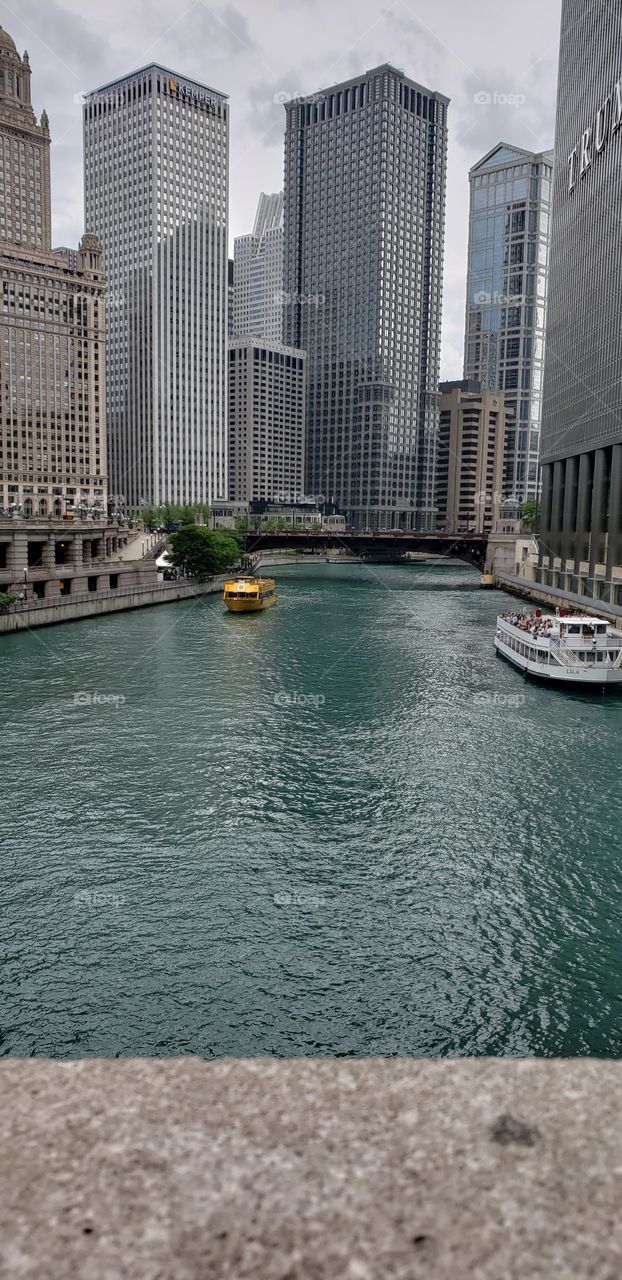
(341,827)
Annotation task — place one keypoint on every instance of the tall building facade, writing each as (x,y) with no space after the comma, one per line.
(156,149)
(507,282)
(52,327)
(267,384)
(365,167)
(258,274)
(581,519)
(474,425)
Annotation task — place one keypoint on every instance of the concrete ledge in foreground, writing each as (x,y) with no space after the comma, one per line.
(319,1169)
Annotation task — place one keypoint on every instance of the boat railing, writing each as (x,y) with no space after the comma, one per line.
(567,657)
(521,633)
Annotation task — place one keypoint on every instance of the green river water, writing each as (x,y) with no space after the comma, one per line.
(343,826)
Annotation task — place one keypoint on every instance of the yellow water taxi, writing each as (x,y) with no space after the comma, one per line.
(247,595)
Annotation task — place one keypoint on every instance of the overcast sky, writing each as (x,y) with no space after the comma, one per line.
(495,59)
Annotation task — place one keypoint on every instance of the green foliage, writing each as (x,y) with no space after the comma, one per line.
(171,513)
(275,524)
(531,514)
(243,524)
(5,601)
(202,552)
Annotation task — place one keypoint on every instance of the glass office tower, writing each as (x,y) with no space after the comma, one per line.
(509,227)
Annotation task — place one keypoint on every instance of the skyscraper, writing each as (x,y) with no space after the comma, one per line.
(266,421)
(52,327)
(471,452)
(156,149)
(581,524)
(507,294)
(258,274)
(365,165)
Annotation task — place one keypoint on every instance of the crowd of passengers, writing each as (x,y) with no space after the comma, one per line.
(540,627)
(534,623)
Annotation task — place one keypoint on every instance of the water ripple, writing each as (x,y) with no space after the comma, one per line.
(306,832)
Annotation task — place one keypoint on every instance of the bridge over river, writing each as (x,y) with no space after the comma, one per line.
(392,546)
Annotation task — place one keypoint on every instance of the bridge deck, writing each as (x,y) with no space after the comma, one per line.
(468,547)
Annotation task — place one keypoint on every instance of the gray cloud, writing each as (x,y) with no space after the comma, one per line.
(214,32)
(495,106)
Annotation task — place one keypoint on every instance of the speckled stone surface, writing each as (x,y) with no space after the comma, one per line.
(311,1170)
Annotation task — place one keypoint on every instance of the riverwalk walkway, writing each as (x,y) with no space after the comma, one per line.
(25,615)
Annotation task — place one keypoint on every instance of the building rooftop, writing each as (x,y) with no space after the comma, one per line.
(155,66)
(364,75)
(266,344)
(506,153)
(7,42)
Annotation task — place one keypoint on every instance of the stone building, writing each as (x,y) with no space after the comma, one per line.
(52,327)
(472,449)
(50,559)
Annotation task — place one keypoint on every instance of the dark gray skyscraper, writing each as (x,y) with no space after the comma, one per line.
(365,165)
(581,525)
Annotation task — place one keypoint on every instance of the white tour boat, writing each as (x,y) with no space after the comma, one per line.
(572,650)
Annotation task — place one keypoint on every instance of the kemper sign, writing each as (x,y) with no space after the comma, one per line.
(595,139)
(191,92)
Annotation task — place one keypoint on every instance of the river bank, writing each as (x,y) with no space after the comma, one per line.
(47,613)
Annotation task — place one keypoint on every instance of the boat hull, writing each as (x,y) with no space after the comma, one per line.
(250,606)
(601,676)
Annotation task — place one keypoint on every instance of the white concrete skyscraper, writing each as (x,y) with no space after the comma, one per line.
(258,274)
(365,165)
(156,150)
